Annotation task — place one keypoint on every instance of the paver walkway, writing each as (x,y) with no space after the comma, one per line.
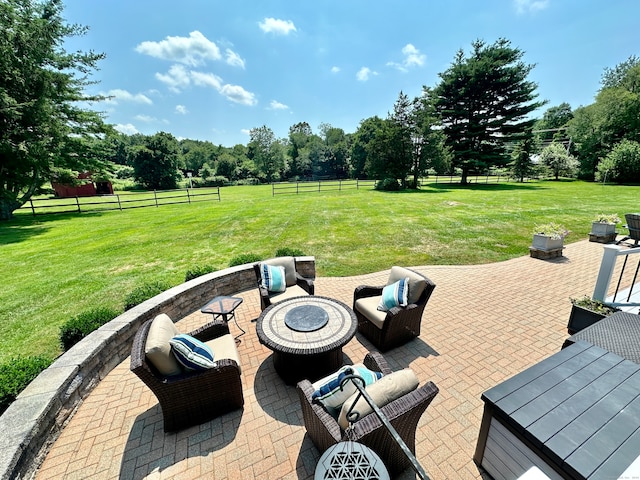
(482,325)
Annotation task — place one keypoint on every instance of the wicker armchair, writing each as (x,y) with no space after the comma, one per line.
(191,397)
(297,285)
(387,330)
(633,224)
(403,413)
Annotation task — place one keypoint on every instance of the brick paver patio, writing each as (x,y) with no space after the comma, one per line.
(482,325)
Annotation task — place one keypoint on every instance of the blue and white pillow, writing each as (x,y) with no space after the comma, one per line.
(327,390)
(192,353)
(395,295)
(273,278)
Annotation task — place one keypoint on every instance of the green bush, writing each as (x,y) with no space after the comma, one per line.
(621,165)
(83,324)
(144,292)
(245,258)
(198,271)
(289,252)
(388,185)
(16,374)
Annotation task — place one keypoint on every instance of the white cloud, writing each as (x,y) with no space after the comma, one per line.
(275,105)
(181,109)
(364,73)
(245,131)
(127,129)
(206,79)
(237,94)
(412,58)
(526,6)
(233,58)
(145,118)
(192,50)
(277,26)
(124,96)
(176,79)
(179,78)
(335,69)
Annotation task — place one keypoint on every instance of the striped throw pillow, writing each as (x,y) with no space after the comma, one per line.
(192,353)
(273,278)
(330,391)
(395,295)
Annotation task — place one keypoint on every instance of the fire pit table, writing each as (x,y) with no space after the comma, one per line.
(306,335)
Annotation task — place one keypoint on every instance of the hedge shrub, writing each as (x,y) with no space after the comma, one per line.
(289,252)
(388,185)
(198,271)
(16,374)
(145,292)
(83,324)
(245,258)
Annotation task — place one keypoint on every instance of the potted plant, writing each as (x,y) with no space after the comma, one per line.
(549,236)
(604,224)
(585,312)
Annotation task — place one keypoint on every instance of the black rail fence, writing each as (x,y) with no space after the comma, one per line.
(125,201)
(491,178)
(319,186)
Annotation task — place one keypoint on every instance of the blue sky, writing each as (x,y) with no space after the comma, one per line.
(212,69)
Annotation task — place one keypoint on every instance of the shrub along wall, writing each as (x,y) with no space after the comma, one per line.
(32,423)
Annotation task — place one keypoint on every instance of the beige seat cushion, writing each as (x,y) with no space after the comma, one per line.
(417,283)
(158,349)
(224,347)
(368,306)
(289,265)
(290,292)
(384,391)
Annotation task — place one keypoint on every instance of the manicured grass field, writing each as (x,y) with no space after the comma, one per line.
(57,266)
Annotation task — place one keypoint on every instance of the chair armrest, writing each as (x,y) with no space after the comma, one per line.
(210,330)
(264,293)
(305,283)
(376,362)
(321,426)
(363,291)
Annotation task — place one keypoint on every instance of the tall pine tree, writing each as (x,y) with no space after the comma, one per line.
(484,100)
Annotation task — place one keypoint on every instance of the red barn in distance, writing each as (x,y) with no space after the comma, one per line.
(87,187)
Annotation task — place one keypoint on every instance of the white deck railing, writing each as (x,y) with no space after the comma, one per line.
(626,272)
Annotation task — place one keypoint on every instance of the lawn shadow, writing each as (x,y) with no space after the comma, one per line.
(147,438)
(492,187)
(22,227)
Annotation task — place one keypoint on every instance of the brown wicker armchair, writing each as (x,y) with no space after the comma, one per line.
(297,285)
(192,397)
(390,329)
(403,413)
(633,224)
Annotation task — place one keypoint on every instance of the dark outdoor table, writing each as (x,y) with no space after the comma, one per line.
(306,335)
(618,333)
(575,415)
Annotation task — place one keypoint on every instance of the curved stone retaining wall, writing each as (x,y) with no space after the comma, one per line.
(32,423)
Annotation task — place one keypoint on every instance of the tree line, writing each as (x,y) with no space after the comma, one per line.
(476,118)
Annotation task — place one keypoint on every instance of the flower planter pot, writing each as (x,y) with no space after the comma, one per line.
(602,229)
(545,243)
(582,318)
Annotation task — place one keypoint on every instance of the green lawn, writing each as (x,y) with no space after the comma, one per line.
(59,265)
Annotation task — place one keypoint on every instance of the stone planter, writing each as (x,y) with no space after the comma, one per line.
(602,232)
(546,244)
(602,229)
(582,318)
